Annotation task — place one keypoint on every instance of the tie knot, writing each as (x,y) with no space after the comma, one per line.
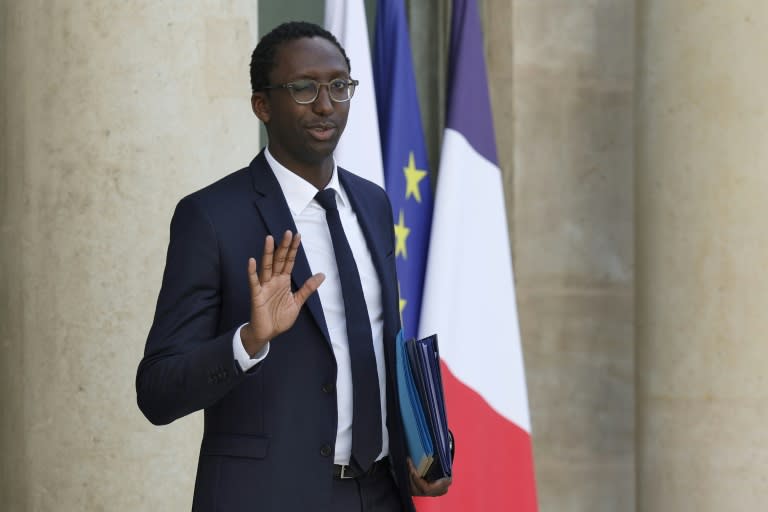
(327,199)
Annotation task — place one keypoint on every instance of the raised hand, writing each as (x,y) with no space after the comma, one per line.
(274,307)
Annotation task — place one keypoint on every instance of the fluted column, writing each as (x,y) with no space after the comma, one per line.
(702,255)
(111,111)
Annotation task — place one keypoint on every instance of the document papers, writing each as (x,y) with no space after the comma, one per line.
(422,406)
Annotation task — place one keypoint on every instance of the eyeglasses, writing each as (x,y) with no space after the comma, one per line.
(307,91)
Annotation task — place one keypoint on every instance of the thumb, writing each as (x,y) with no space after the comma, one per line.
(310,286)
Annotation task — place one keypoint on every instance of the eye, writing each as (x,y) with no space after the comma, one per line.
(339,84)
(303,86)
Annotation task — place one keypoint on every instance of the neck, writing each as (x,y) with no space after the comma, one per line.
(319,175)
(316,173)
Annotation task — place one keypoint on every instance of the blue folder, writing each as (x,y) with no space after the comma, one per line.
(422,406)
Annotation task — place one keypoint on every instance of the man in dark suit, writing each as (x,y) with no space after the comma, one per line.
(298,387)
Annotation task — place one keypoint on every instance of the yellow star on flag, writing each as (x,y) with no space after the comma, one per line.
(401,234)
(403,302)
(413,177)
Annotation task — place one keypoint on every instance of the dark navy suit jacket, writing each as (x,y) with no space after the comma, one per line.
(269,432)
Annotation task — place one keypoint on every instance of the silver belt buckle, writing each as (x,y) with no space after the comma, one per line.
(345,473)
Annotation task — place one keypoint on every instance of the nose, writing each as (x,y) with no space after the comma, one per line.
(323,105)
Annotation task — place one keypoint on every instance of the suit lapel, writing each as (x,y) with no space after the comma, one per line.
(271,204)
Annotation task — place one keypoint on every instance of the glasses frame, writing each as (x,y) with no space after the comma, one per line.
(291,85)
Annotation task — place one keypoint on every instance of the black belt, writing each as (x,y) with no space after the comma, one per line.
(345,471)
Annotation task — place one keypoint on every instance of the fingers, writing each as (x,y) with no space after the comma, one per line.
(253,277)
(266,259)
(438,487)
(412,474)
(280,260)
(290,258)
(308,288)
(420,487)
(416,487)
(281,254)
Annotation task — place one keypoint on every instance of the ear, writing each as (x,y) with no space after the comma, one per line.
(260,106)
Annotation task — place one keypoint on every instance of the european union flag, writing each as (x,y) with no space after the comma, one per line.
(406,175)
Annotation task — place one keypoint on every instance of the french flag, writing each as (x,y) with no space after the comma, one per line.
(469,297)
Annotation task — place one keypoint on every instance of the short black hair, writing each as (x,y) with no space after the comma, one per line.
(263,57)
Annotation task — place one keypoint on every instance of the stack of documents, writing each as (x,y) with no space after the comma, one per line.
(422,406)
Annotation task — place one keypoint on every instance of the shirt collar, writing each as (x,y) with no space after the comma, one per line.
(298,192)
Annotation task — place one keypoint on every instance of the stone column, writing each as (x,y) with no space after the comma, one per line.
(702,255)
(111,111)
(561,76)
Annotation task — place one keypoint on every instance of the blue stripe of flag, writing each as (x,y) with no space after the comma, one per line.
(469,105)
(402,146)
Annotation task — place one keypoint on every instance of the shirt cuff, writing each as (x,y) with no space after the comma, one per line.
(245,361)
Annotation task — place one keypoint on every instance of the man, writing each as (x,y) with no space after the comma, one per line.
(298,387)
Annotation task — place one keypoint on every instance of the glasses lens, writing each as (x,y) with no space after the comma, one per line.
(304,91)
(341,90)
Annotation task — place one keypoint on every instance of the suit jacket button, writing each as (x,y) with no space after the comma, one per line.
(328,388)
(325,450)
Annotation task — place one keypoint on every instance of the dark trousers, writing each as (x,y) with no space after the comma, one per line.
(370,493)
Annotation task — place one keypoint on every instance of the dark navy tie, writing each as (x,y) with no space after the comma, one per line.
(366,402)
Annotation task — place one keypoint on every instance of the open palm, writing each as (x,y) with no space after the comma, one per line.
(274,307)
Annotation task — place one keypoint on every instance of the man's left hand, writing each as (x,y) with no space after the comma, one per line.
(420,487)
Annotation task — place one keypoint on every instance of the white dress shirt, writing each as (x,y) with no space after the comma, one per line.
(309,218)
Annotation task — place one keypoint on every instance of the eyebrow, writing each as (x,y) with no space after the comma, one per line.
(309,76)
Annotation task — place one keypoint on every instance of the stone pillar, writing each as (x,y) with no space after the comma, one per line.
(111,111)
(702,255)
(561,79)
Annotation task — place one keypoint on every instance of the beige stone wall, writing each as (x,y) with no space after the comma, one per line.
(561,76)
(111,111)
(702,289)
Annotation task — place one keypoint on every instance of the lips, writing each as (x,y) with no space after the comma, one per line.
(322,131)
